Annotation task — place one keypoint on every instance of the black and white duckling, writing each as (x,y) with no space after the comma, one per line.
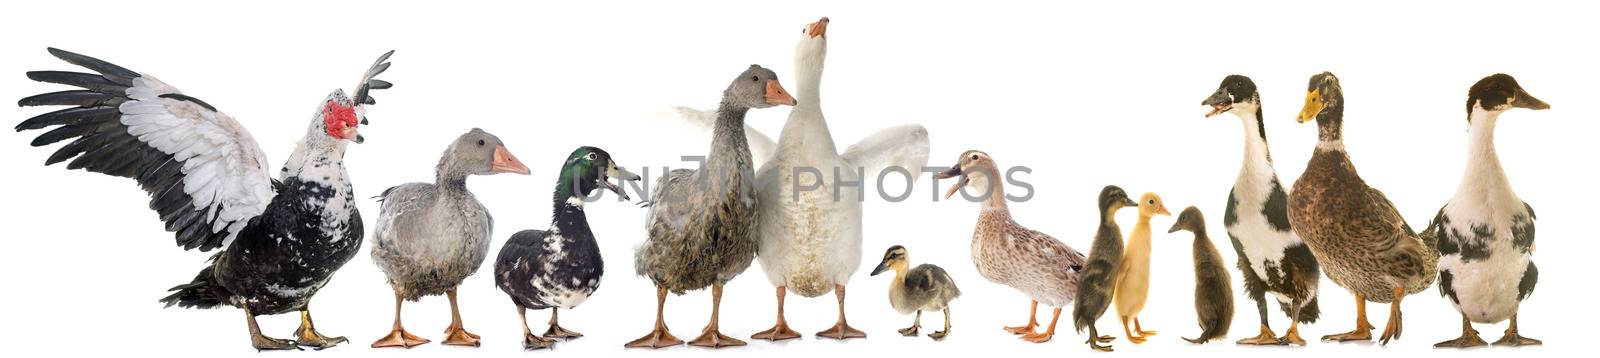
(560,267)
(1358,236)
(1096,283)
(1485,232)
(1272,258)
(1213,289)
(922,288)
(431,236)
(701,221)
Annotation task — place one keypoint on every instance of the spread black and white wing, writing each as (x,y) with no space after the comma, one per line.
(205,174)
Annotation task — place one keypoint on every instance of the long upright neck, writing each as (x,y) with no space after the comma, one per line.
(728,146)
(808,80)
(806,123)
(1257,159)
(1483,170)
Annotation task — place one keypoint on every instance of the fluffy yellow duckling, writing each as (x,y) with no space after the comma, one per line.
(1133,279)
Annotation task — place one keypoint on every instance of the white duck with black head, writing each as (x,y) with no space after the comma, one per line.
(1485,232)
(560,267)
(431,236)
(810,227)
(1271,257)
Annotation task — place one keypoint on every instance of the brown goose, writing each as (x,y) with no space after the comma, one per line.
(1358,236)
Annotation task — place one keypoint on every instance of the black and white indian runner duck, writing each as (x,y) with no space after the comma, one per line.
(559,267)
(281,239)
(1485,232)
(1359,238)
(431,236)
(1272,258)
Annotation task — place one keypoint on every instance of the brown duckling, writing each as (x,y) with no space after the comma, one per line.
(916,289)
(1213,288)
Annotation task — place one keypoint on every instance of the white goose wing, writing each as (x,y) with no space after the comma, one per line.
(762,148)
(904,146)
(205,174)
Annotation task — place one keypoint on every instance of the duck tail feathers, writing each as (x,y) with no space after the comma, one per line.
(202,293)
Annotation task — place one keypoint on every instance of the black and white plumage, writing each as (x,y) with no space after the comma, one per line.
(209,181)
(1271,257)
(1485,233)
(560,267)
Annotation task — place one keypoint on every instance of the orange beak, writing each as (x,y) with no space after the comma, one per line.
(504,162)
(776,95)
(819,28)
(1163,211)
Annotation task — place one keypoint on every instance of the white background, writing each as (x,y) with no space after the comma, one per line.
(1086,95)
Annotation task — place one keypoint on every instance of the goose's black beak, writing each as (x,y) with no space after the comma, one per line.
(882,266)
(1525,100)
(1130,203)
(1174,228)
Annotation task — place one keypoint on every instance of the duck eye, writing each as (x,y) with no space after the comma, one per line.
(1151,202)
(755,78)
(591,156)
(480,143)
(974,157)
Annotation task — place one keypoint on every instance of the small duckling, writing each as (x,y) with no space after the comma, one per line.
(1100,272)
(1133,279)
(923,288)
(1213,288)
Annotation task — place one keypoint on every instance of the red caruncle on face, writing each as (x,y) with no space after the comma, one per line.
(340,120)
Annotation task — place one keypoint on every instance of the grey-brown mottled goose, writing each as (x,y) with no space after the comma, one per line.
(701,221)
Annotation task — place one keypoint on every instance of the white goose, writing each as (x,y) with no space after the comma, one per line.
(810,242)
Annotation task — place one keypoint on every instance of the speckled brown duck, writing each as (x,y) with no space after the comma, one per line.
(701,221)
(1358,236)
(1007,253)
